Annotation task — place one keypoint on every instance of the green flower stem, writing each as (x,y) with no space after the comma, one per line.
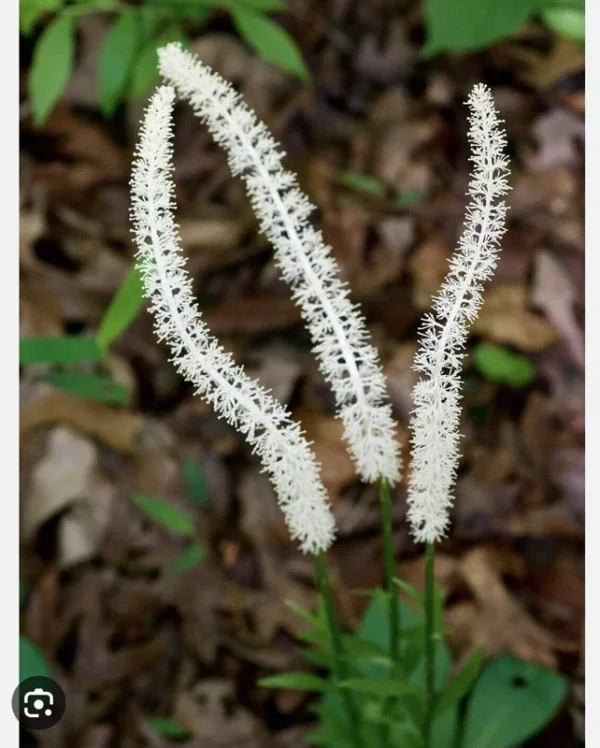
(339,663)
(385,500)
(429,638)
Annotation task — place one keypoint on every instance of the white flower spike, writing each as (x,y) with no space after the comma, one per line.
(435,420)
(347,359)
(274,437)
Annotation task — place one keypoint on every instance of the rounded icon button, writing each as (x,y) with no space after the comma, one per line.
(38,703)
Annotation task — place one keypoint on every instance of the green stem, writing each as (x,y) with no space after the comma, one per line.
(429,638)
(385,500)
(339,664)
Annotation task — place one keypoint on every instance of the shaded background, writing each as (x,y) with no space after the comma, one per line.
(379,142)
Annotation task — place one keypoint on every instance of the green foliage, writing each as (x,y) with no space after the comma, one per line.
(122,310)
(51,66)
(512,701)
(165,514)
(567,18)
(31,11)
(409,198)
(271,42)
(145,69)
(472,24)
(300,681)
(189,558)
(179,522)
(127,65)
(195,481)
(90,386)
(461,684)
(31,660)
(505,704)
(168,728)
(464,25)
(60,350)
(361,183)
(116,60)
(500,365)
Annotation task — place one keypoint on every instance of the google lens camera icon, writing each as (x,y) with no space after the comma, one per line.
(38,703)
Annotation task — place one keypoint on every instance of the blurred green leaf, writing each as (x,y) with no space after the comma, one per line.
(301,611)
(51,66)
(297,680)
(512,701)
(90,386)
(361,182)
(264,6)
(461,684)
(409,198)
(382,686)
(145,69)
(472,24)
(566,21)
(31,11)
(166,515)
(186,10)
(116,60)
(123,309)
(500,365)
(195,481)
(271,42)
(69,349)
(168,727)
(189,558)
(31,660)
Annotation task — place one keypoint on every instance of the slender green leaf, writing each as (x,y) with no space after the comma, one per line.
(188,559)
(116,60)
(70,349)
(166,515)
(51,66)
(32,11)
(301,611)
(319,659)
(271,42)
(381,687)
(300,681)
(327,736)
(472,24)
(145,69)
(361,183)
(498,364)
(31,660)
(168,727)
(512,701)
(195,481)
(461,684)
(356,648)
(123,309)
(409,198)
(411,591)
(259,6)
(90,386)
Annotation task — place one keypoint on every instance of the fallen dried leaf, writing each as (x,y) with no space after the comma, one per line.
(505,318)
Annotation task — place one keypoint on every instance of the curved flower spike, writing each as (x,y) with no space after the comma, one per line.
(346,357)
(436,397)
(266,424)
